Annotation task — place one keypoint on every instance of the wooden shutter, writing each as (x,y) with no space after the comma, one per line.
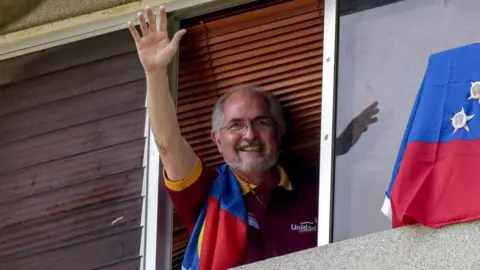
(279,48)
(72,121)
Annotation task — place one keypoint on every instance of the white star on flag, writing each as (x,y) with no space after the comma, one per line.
(459,120)
(475,91)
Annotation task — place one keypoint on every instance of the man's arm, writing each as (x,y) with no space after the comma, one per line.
(186,178)
(354,130)
(177,156)
(156,52)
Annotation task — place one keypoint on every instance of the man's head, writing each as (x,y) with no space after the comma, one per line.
(247,127)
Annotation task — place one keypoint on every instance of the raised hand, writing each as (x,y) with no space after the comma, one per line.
(156,51)
(355,129)
(154,48)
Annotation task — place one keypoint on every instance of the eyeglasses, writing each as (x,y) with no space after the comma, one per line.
(257,124)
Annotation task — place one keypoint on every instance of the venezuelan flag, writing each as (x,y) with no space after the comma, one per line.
(436,178)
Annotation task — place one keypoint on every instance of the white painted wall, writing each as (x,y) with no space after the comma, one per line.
(383,55)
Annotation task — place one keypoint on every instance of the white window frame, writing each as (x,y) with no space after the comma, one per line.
(328,124)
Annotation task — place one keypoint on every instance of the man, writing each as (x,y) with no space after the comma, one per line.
(249,209)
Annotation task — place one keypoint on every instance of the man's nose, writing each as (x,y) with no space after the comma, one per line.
(249,133)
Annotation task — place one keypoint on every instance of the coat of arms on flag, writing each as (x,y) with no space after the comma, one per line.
(436,177)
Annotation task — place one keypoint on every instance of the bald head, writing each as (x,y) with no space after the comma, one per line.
(251,93)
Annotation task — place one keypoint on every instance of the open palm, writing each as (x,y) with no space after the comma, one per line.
(154,48)
(356,128)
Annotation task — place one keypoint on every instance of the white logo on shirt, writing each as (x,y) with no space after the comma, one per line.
(304,227)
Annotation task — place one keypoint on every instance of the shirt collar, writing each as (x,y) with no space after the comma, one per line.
(284,182)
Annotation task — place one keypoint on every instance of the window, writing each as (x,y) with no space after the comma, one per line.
(383,55)
(279,47)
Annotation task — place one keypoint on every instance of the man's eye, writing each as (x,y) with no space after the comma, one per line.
(265,122)
(235,126)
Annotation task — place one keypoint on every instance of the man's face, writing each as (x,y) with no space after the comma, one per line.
(248,139)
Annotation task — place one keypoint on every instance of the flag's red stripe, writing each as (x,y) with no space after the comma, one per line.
(437,184)
(223,246)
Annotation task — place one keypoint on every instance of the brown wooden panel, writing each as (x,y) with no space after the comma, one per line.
(128,264)
(66,228)
(116,186)
(102,251)
(70,82)
(72,123)
(73,111)
(72,141)
(60,57)
(71,170)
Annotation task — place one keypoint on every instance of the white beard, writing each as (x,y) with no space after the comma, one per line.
(267,163)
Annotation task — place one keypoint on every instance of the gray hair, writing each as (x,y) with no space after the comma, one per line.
(275,107)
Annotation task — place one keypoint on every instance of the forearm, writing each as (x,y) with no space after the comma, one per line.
(161,109)
(340,147)
(177,156)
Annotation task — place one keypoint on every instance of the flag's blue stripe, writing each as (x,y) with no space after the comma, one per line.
(444,91)
(405,139)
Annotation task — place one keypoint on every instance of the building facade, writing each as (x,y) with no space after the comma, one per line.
(81,174)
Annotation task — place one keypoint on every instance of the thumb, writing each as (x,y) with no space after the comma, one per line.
(176,39)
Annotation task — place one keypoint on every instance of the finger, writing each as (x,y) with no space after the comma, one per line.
(369,113)
(373,112)
(372,120)
(177,38)
(371,106)
(152,26)
(163,19)
(134,32)
(143,25)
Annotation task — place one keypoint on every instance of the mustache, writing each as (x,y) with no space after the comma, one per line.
(245,144)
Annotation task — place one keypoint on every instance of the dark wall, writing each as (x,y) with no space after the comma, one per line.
(353,6)
(72,122)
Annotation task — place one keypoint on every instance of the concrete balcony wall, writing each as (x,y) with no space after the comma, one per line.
(416,247)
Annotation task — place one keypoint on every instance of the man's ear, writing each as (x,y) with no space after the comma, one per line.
(216,140)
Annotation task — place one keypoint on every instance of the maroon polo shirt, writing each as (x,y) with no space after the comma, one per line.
(287,224)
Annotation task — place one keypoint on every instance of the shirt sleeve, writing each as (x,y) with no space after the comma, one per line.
(189,194)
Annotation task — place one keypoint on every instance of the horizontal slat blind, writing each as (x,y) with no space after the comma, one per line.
(279,48)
